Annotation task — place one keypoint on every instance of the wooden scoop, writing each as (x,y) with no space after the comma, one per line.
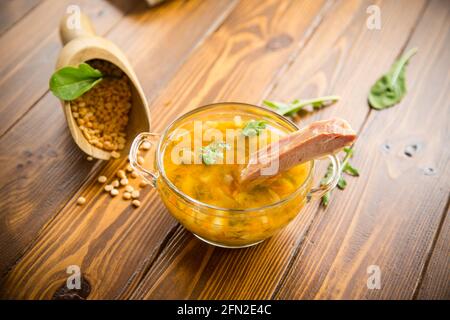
(81,45)
(314,141)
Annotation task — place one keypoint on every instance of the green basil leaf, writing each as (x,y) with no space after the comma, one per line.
(296,105)
(342,183)
(349,169)
(326,199)
(69,83)
(348,152)
(214,151)
(390,88)
(254,128)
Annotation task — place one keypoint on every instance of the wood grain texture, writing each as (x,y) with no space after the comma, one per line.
(390,215)
(136,237)
(325,65)
(188,53)
(435,283)
(12,11)
(29,49)
(39,176)
(30,165)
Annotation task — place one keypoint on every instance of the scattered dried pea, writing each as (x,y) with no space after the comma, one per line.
(81,201)
(146,145)
(115,183)
(124,181)
(89,158)
(115,155)
(143,184)
(135,194)
(108,188)
(102,179)
(114,192)
(126,195)
(121,174)
(134,175)
(129,189)
(136,203)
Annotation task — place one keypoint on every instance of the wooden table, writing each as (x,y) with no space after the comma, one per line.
(394,217)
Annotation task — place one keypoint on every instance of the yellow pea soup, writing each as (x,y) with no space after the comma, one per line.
(230,214)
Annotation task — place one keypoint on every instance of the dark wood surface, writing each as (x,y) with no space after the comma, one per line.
(190,53)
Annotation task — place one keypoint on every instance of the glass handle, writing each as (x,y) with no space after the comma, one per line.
(318,192)
(149,176)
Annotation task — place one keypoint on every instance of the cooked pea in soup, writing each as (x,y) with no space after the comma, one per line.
(203,158)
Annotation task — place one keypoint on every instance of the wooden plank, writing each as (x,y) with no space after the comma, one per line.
(389,216)
(26,204)
(39,176)
(12,11)
(436,281)
(28,57)
(104,230)
(189,269)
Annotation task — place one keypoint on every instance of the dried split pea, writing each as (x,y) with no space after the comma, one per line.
(135,194)
(114,192)
(115,183)
(129,189)
(129,168)
(124,181)
(121,174)
(146,145)
(81,201)
(102,179)
(126,195)
(89,158)
(108,188)
(134,175)
(102,112)
(136,203)
(115,155)
(143,184)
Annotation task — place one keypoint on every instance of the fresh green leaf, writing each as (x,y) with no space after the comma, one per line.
(348,152)
(391,87)
(342,183)
(326,199)
(254,128)
(346,167)
(213,152)
(349,169)
(296,105)
(70,83)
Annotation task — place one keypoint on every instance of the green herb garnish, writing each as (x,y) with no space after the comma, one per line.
(289,109)
(391,87)
(254,128)
(69,83)
(346,167)
(214,151)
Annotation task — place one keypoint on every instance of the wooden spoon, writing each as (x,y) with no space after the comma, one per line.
(314,141)
(81,45)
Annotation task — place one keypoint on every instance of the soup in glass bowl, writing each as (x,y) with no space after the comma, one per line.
(198,162)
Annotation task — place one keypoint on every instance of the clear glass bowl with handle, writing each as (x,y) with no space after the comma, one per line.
(221,226)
